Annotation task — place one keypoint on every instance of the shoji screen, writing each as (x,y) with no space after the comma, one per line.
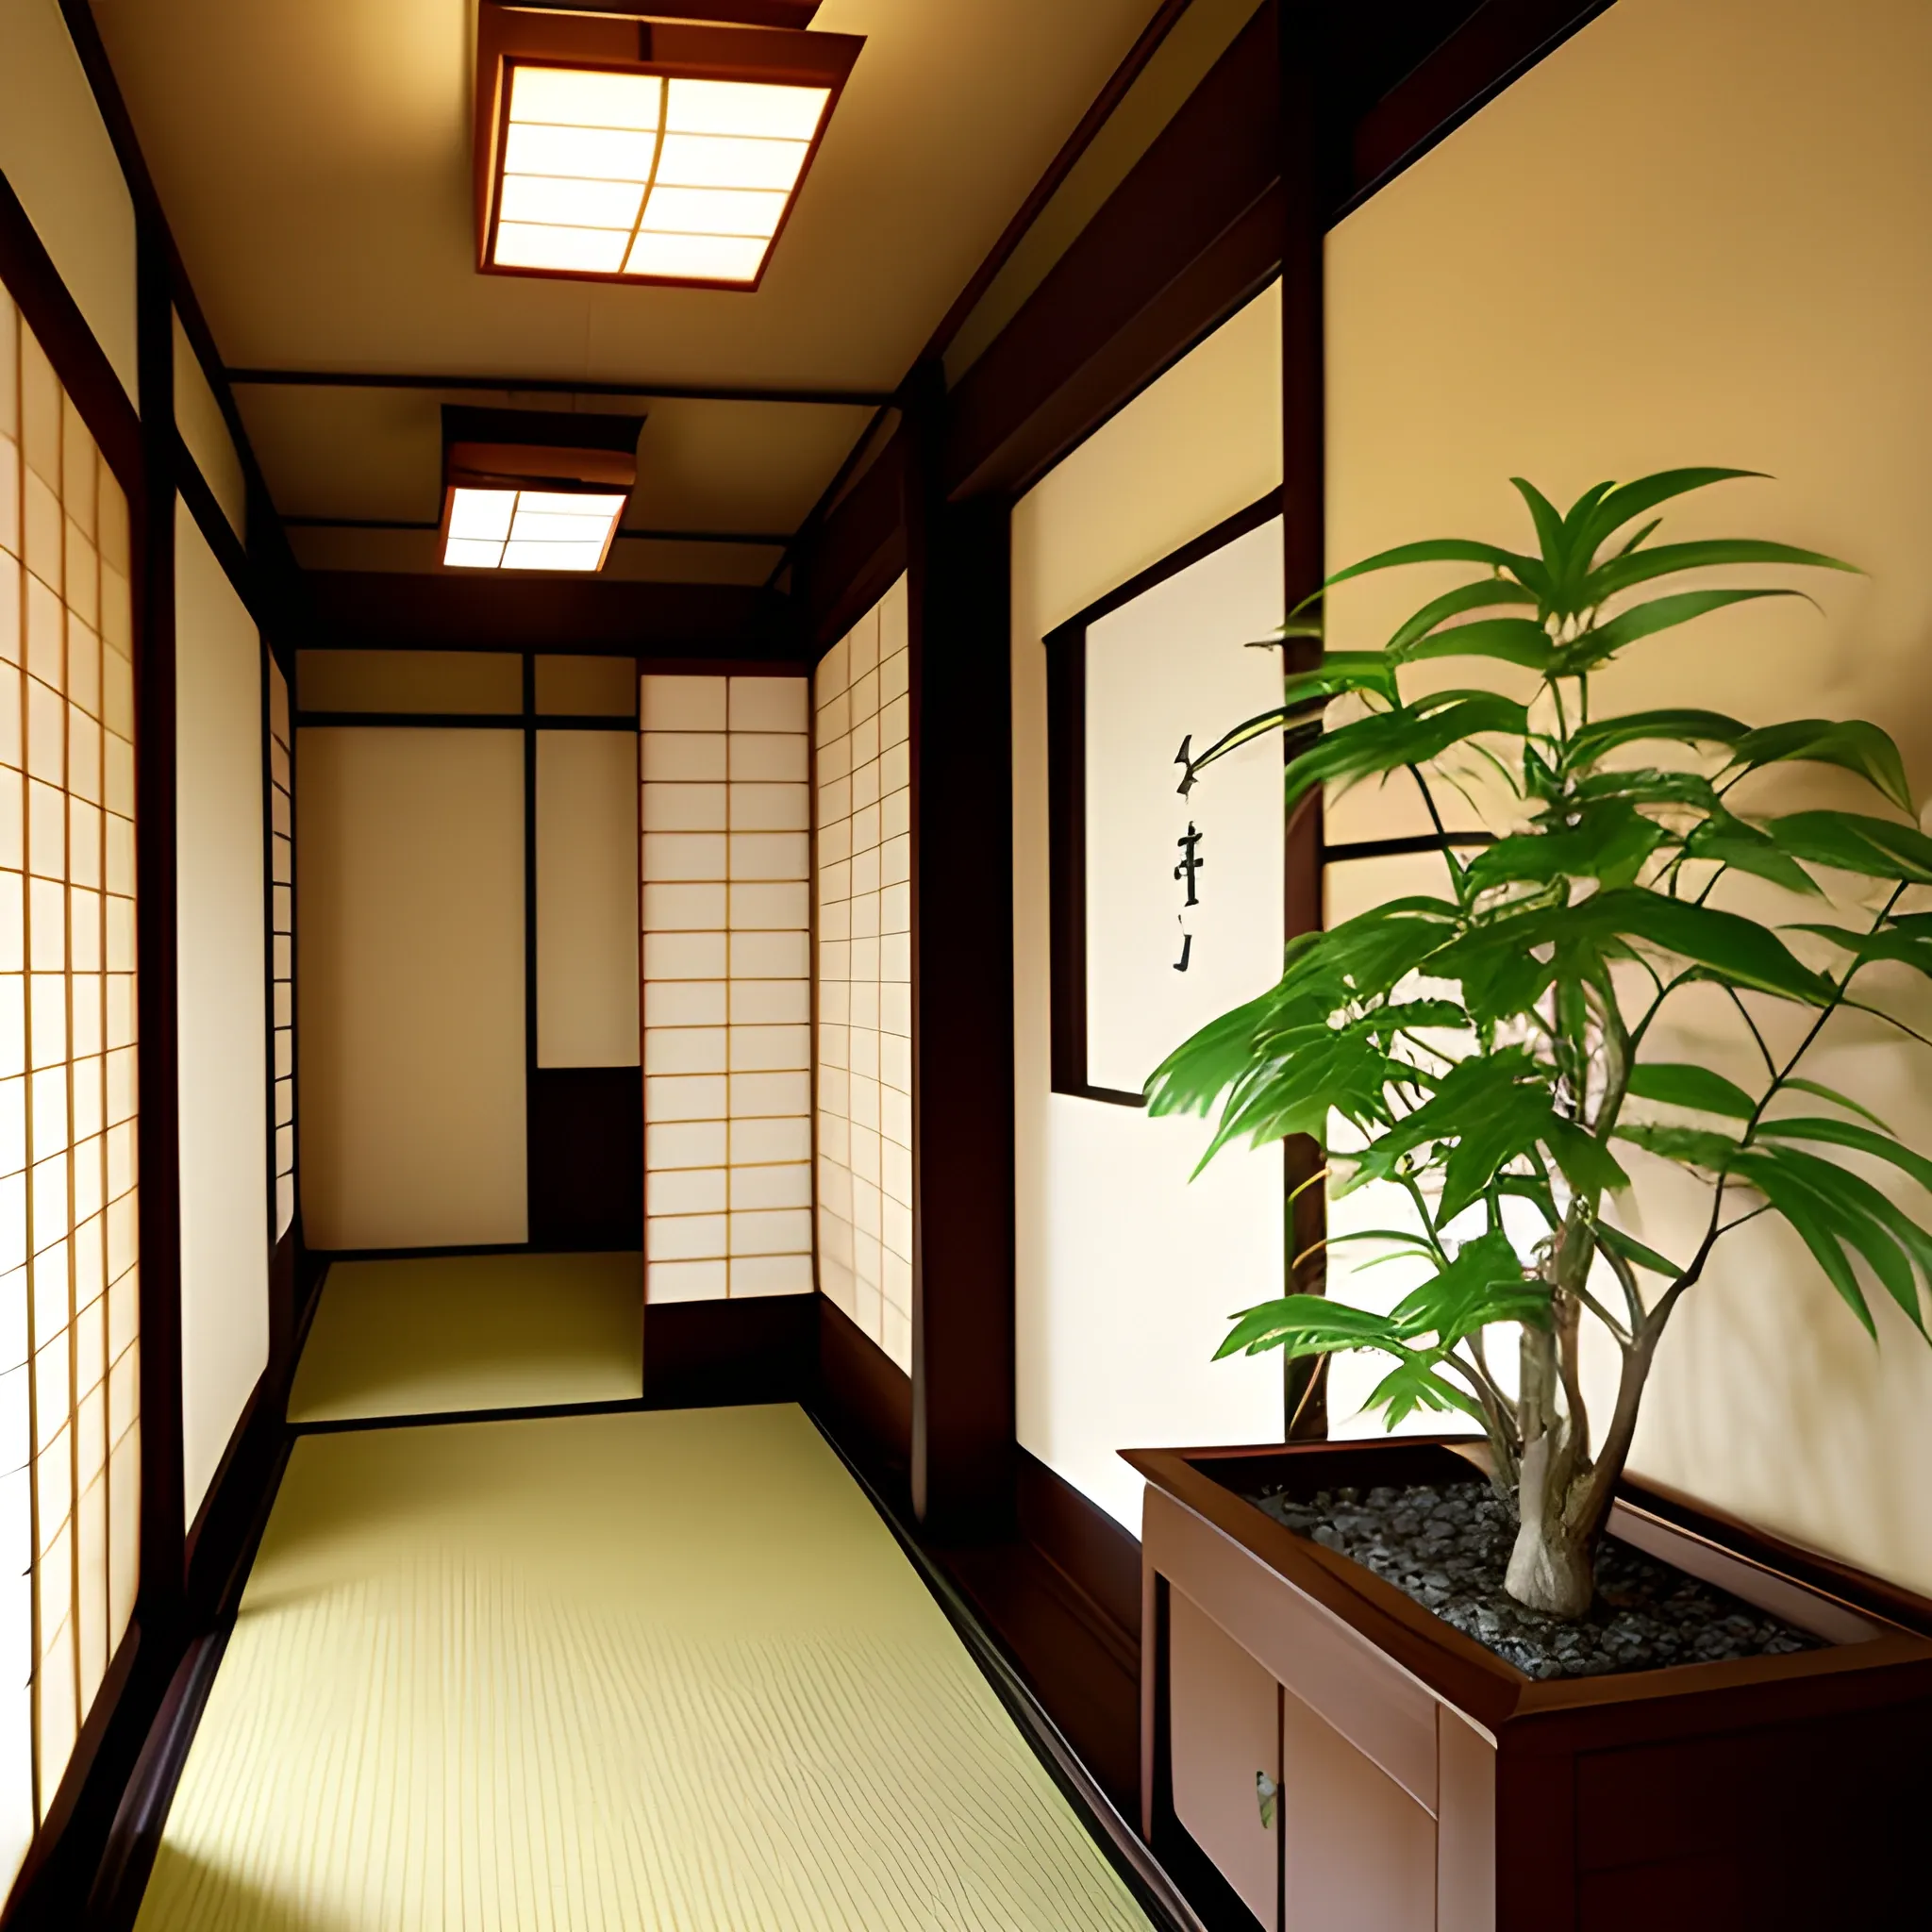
(282,924)
(865,977)
(69,1444)
(728,990)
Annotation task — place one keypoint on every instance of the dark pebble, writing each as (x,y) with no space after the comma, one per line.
(1447,1547)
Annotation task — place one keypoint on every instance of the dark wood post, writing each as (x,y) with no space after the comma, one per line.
(962,992)
(1303,486)
(164,1526)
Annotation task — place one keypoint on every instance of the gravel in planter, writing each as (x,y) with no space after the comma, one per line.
(1447,1545)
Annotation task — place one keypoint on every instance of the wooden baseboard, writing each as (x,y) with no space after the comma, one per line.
(865,1401)
(1062,1596)
(1097,1552)
(698,1354)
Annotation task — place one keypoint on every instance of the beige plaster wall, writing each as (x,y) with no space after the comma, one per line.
(1125,1269)
(56,155)
(409,987)
(1697,233)
(223,1002)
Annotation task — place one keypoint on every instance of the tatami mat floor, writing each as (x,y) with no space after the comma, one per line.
(445,1336)
(632,1671)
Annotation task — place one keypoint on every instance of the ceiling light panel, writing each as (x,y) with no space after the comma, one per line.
(652,174)
(530,530)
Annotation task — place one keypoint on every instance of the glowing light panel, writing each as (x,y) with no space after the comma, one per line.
(530,530)
(634,174)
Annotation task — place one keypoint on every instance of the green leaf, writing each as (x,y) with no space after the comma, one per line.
(1851,744)
(1514,640)
(1340,672)
(1482,595)
(1687,1146)
(1856,1213)
(1619,506)
(1813,1226)
(1633,1250)
(1608,843)
(1308,1324)
(1676,1084)
(1413,1384)
(1883,1146)
(1550,531)
(1667,559)
(1875,848)
(1733,949)
(1596,646)
(1744,848)
(1526,570)
(1588,1165)
(1837,1099)
(1390,739)
(1484,1283)
(1591,741)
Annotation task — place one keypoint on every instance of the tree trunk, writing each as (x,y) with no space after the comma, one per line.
(1552,1567)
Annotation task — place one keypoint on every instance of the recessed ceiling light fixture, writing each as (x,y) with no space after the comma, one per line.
(626,150)
(534,489)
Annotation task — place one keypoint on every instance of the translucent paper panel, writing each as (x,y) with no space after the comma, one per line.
(592,183)
(282,943)
(864,1062)
(530,530)
(726,898)
(69,1437)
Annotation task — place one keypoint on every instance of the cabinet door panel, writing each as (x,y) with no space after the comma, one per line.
(1223,1727)
(1359,1852)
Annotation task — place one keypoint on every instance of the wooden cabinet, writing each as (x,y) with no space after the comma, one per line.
(1358,1854)
(1292,1814)
(1425,1786)
(1226,1749)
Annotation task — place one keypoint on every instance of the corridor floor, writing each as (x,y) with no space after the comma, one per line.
(446,1334)
(639,1671)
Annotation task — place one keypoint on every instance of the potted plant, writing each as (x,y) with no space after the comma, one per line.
(1493,1051)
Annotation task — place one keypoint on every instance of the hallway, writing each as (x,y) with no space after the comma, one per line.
(662,1669)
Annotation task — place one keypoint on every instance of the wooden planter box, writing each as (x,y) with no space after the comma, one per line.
(1426,1786)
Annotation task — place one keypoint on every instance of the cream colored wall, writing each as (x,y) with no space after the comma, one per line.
(223,1002)
(205,431)
(587,898)
(450,682)
(1125,1271)
(409,987)
(56,154)
(1697,233)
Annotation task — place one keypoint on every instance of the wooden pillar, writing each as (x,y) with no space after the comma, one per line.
(1303,486)
(962,992)
(164,1526)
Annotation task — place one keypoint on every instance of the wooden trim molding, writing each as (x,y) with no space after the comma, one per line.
(1493,45)
(556,386)
(859,550)
(30,277)
(1211,164)
(865,1401)
(584,616)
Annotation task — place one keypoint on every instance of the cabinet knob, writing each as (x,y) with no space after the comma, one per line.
(1265,1793)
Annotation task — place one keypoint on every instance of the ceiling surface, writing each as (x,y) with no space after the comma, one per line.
(315,166)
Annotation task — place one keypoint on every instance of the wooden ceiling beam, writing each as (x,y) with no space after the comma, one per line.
(554,386)
(588,616)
